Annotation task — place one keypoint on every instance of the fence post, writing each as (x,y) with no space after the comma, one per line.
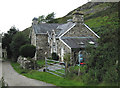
(65,69)
(46,64)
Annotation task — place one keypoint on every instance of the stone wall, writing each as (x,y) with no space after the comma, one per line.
(25,63)
(33,38)
(60,45)
(79,31)
(41,45)
(53,43)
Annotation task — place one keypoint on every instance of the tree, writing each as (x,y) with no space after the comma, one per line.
(18,40)
(7,39)
(41,19)
(50,17)
(102,61)
(67,62)
(27,51)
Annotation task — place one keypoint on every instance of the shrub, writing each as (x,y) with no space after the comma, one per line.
(111,76)
(73,72)
(18,40)
(90,77)
(27,51)
(55,56)
(67,57)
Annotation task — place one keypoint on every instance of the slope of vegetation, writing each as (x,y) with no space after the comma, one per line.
(107,19)
(27,31)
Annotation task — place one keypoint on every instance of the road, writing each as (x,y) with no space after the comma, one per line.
(15,79)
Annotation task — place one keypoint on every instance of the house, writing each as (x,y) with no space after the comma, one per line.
(71,37)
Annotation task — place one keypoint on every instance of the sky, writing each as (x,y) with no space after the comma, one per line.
(19,13)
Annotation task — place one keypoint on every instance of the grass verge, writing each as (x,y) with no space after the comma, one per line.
(49,78)
(46,77)
(41,63)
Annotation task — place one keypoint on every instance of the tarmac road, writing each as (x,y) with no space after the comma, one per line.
(15,79)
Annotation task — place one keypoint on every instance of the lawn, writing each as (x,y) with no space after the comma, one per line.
(41,63)
(46,77)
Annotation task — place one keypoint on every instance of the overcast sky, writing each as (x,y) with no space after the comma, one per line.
(21,12)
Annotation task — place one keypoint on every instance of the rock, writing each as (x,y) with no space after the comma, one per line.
(25,63)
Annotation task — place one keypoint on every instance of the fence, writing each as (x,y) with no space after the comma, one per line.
(54,67)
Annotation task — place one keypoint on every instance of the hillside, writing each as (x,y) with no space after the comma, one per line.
(27,31)
(97,16)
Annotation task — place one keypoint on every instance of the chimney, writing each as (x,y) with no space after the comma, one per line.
(35,21)
(78,17)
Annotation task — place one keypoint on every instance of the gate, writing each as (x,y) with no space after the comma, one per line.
(54,67)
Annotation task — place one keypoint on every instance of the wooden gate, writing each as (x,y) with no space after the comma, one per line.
(54,67)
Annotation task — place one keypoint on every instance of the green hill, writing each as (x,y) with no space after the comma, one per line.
(27,31)
(97,16)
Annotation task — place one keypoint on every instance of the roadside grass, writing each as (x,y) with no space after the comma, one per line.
(61,70)
(46,77)
(52,62)
(58,81)
(41,63)
(57,73)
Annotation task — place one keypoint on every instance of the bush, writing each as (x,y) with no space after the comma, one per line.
(90,77)
(18,40)
(111,76)
(73,72)
(55,56)
(27,51)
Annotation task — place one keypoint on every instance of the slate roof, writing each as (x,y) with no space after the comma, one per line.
(78,42)
(44,27)
(64,27)
(59,28)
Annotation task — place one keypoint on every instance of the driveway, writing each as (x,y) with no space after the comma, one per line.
(15,79)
